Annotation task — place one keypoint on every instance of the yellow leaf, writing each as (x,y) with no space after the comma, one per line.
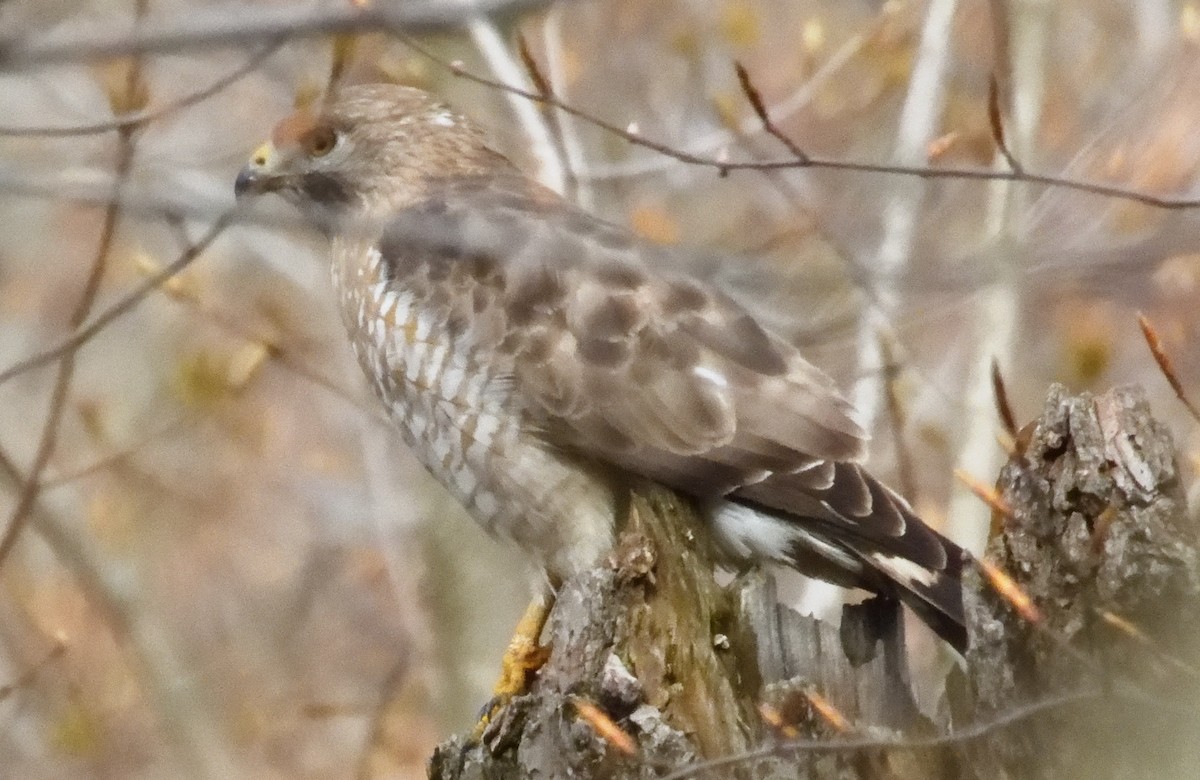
(1189,23)
(1088,338)
(244,363)
(79,731)
(112,517)
(201,379)
(813,35)
(740,24)
(728,106)
(307,94)
(344,47)
(125,88)
(402,69)
(654,224)
(180,286)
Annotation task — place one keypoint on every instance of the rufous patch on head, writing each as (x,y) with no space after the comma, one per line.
(292,128)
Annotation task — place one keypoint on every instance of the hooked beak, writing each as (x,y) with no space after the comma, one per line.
(258,175)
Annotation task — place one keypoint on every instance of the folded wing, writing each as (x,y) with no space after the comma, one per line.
(622,355)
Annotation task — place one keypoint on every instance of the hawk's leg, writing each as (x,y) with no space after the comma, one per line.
(522,659)
(524,655)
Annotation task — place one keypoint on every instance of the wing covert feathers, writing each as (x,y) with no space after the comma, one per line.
(620,352)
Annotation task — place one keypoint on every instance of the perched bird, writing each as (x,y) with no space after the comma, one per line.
(536,357)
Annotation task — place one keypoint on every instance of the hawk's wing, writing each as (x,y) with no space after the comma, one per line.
(622,355)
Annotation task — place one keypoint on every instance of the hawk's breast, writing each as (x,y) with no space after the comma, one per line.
(430,345)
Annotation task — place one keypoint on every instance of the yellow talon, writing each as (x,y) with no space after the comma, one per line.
(523,658)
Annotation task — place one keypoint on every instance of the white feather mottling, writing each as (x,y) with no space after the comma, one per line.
(752,535)
(903,570)
(704,372)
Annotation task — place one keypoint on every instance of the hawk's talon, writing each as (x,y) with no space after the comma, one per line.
(523,658)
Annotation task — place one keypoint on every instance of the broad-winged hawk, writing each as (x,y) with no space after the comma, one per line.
(534,357)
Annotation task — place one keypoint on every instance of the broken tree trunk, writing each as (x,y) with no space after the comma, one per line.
(660,671)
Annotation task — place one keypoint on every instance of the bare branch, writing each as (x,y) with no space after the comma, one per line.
(239,26)
(1165,365)
(1003,406)
(820,163)
(129,95)
(118,309)
(140,118)
(531,67)
(499,58)
(904,465)
(996,122)
(28,676)
(760,110)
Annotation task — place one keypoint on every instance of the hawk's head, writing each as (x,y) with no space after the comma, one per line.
(373,149)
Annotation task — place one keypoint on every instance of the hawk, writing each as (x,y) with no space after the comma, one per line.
(537,359)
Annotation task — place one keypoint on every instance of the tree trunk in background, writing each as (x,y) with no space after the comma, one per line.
(685,669)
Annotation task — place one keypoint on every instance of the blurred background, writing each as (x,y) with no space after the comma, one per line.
(227,564)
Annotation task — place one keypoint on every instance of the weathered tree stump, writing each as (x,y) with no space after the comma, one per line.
(1099,534)
(1098,539)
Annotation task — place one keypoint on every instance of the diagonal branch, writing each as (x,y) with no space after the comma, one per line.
(139,118)
(119,309)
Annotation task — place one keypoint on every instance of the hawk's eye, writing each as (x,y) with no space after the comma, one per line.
(320,141)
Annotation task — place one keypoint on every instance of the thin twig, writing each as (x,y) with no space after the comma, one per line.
(223,30)
(122,307)
(996,123)
(604,726)
(550,118)
(500,60)
(140,118)
(576,165)
(1003,406)
(531,68)
(1010,591)
(845,745)
(28,676)
(904,468)
(1165,364)
(41,189)
(126,144)
(819,163)
(984,493)
(375,730)
(116,456)
(801,97)
(1134,632)
(760,110)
